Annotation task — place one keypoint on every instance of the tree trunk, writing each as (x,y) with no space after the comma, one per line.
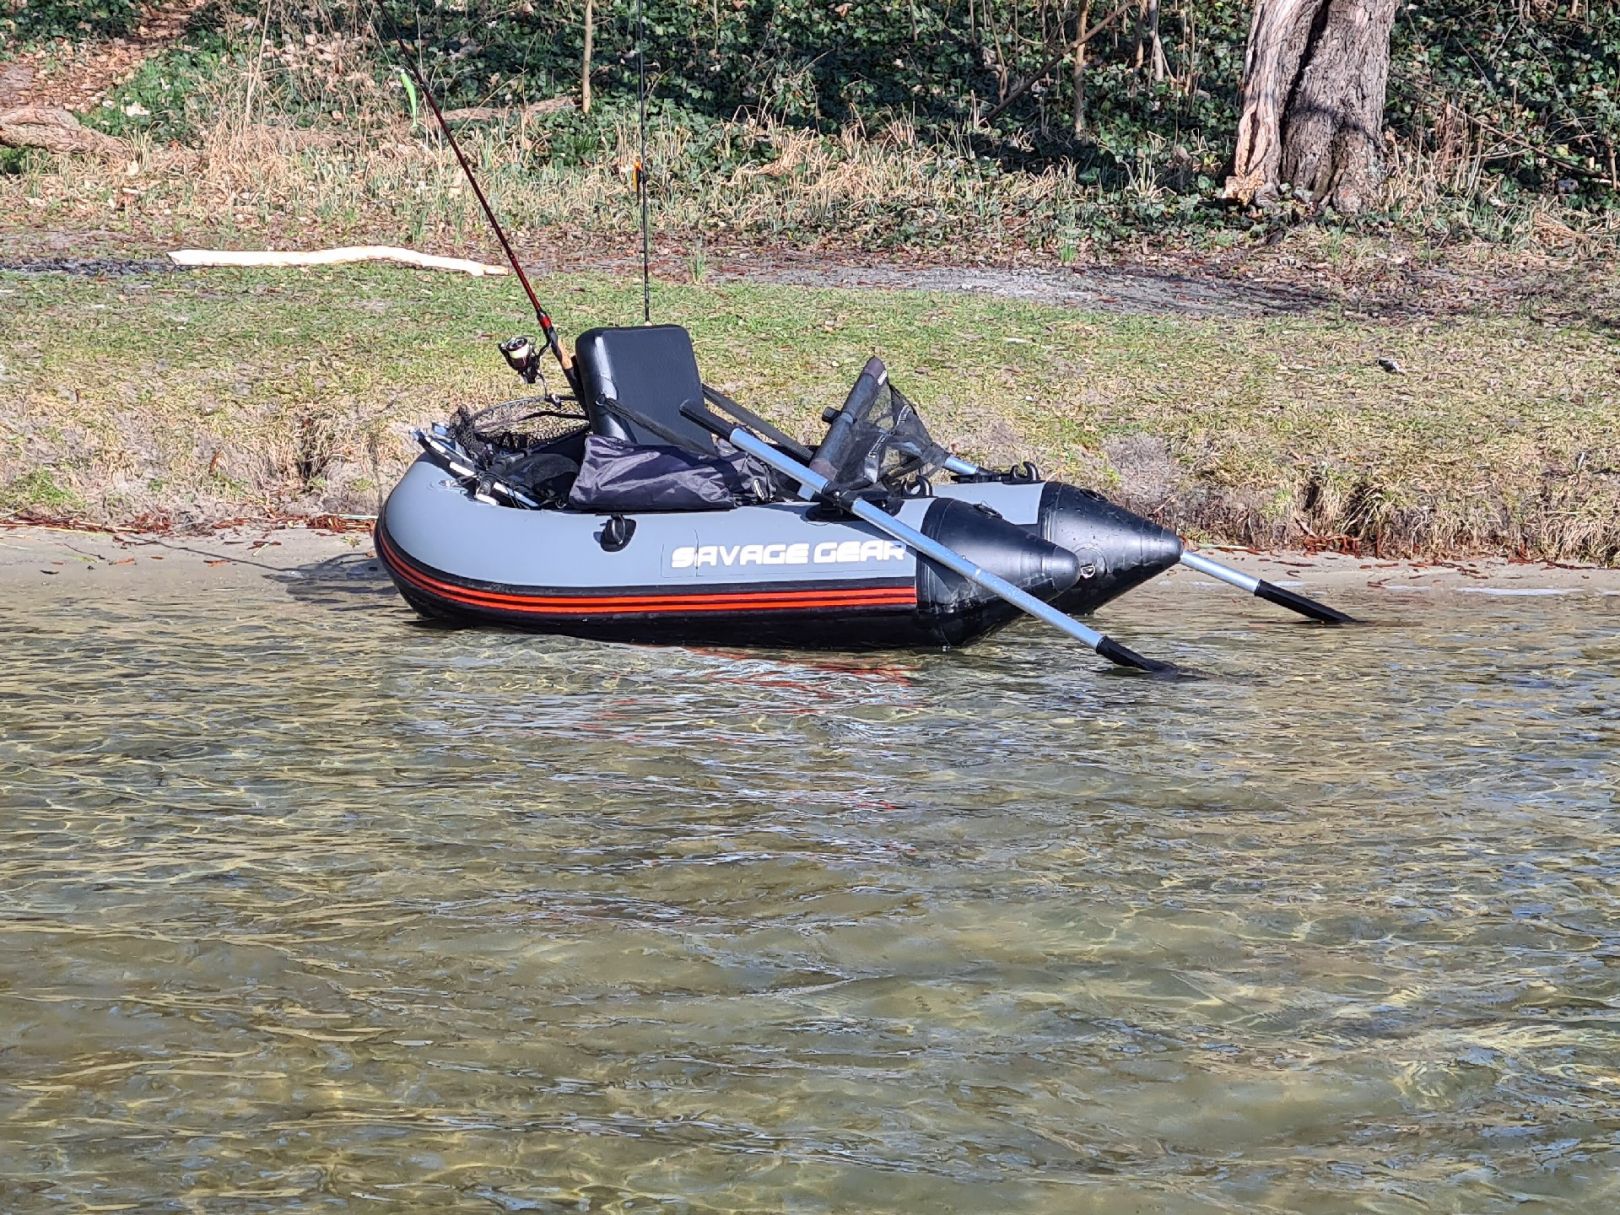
(1311,111)
(1080,70)
(1157,63)
(1189,50)
(1147,49)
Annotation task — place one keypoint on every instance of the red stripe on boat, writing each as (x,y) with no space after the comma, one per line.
(642,604)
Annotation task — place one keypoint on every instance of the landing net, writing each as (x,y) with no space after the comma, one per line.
(521,444)
(513,428)
(891,447)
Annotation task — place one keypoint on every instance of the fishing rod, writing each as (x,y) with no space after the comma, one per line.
(517,351)
(641,160)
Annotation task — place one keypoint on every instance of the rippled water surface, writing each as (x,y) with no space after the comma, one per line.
(304,907)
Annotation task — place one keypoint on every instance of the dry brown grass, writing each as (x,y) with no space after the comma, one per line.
(374,177)
(1439,184)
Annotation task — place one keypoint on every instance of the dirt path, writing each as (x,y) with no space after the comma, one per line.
(1127,289)
(1119,290)
(77,76)
(1238,283)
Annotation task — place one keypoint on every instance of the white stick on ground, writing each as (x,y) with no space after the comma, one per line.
(331,257)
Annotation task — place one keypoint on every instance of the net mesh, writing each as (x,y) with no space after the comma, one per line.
(513,428)
(891,447)
(517,445)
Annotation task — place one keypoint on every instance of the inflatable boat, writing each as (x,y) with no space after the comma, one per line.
(628,510)
(468,540)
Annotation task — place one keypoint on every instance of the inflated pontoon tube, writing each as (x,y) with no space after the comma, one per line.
(813,484)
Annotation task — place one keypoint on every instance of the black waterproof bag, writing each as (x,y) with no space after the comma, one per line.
(619,476)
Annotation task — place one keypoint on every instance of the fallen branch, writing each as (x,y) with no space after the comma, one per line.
(16,79)
(54,129)
(486,113)
(331,257)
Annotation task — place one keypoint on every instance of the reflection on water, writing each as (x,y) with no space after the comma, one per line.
(304,907)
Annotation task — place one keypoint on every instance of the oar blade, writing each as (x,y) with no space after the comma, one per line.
(1305,606)
(1124,656)
(1269,591)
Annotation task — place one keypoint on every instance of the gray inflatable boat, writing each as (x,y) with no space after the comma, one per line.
(638,515)
(467,541)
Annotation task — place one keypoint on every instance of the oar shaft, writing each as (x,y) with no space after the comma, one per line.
(952,560)
(1269,591)
(1221,573)
(813,484)
(758,424)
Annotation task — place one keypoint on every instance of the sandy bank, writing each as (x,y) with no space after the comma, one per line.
(66,564)
(55,564)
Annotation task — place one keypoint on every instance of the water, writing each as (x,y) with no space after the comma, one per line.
(304,907)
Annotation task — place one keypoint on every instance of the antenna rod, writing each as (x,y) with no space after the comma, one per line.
(641,162)
(544,317)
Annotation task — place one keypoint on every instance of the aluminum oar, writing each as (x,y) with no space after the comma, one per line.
(812,485)
(1258,587)
(1269,591)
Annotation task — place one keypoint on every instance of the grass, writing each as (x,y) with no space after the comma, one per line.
(208,396)
(264,120)
(362,170)
(382,182)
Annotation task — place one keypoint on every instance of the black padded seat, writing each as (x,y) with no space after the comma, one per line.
(650,369)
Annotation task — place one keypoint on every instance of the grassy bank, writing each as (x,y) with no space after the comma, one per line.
(198,397)
(245,185)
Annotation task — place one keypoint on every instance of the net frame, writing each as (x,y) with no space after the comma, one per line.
(514,428)
(891,448)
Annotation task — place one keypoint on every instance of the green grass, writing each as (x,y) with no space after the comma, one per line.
(227,393)
(37,491)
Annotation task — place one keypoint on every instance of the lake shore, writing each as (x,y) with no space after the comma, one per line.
(51,563)
(173,401)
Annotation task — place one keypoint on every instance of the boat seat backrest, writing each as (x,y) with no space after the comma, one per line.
(650,369)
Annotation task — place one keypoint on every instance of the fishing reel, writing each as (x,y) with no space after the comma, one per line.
(523,357)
